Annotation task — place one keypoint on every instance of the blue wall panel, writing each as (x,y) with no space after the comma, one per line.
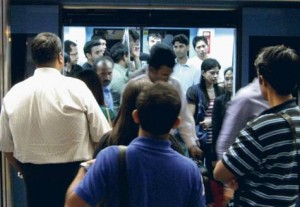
(32,19)
(266,22)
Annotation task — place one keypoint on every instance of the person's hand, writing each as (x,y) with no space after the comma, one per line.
(91,161)
(232,184)
(195,152)
(206,123)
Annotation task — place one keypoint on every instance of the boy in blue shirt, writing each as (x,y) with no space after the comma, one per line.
(157,175)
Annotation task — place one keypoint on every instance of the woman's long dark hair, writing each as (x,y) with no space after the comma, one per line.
(124,129)
(93,82)
(207,65)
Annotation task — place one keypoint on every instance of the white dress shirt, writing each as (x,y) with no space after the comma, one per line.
(186,75)
(50,118)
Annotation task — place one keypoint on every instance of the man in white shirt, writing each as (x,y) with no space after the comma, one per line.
(49,123)
(200,45)
(183,71)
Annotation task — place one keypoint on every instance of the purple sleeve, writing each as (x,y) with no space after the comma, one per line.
(236,117)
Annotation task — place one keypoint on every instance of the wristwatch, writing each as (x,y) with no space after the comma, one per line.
(85,165)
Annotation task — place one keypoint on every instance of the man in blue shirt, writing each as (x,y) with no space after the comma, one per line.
(157,175)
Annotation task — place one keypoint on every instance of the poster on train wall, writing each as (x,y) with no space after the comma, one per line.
(210,35)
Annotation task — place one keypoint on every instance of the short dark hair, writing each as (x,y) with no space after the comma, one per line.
(199,38)
(134,35)
(158,107)
(67,46)
(117,51)
(161,55)
(181,38)
(280,66)
(45,48)
(89,45)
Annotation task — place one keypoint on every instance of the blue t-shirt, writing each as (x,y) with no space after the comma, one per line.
(157,175)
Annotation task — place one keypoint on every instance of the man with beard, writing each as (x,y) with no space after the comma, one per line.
(104,69)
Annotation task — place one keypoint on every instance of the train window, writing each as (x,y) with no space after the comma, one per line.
(221,41)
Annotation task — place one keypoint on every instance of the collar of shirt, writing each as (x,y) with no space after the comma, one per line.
(152,142)
(46,71)
(186,64)
(105,90)
(291,103)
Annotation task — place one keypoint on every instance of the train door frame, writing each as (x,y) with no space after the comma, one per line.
(5,83)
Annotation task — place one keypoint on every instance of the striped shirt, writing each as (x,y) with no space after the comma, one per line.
(208,114)
(263,159)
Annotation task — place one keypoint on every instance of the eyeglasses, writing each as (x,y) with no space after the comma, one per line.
(74,54)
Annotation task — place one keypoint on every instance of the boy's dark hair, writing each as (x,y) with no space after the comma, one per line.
(45,48)
(181,38)
(199,38)
(280,66)
(117,51)
(67,46)
(161,55)
(158,107)
(89,45)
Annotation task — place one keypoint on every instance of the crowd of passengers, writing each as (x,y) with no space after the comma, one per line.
(231,139)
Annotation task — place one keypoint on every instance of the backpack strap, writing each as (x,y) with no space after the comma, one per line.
(122,177)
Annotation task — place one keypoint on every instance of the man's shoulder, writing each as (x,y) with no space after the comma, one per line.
(87,66)
(76,67)
(141,77)
(174,82)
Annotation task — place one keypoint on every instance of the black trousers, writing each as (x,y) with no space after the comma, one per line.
(46,184)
